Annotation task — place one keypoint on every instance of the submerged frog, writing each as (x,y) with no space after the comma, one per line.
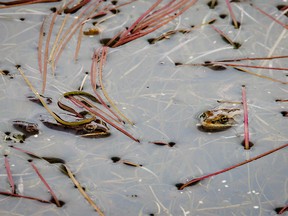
(218,119)
(96,128)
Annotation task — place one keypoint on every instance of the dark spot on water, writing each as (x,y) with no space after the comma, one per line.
(114,2)
(86,72)
(22,19)
(151,40)
(235,45)
(192,26)
(53,9)
(179,185)
(54,160)
(5,155)
(238,24)
(251,144)
(171,144)
(147,86)
(282,8)
(17,66)
(134,195)
(30,160)
(5,72)
(284,113)
(151,214)
(98,16)
(115,11)
(223,16)
(203,129)
(108,42)
(178,63)
(212,4)
(212,21)
(62,203)
(115,159)
(7,133)
(279,209)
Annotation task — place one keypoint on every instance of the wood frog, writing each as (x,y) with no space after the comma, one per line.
(96,128)
(218,119)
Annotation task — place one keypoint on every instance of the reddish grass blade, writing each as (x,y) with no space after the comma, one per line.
(76,7)
(40,42)
(285,208)
(251,66)
(105,119)
(24,2)
(46,51)
(80,188)
(256,58)
(9,174)
(271,17)
(46,184)
(25,197)
(232,14)
(246,128)
(224,36)
(232,167)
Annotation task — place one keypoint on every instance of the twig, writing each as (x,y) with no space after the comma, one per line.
(25,197)
(80,188)
(232,14)
(46,184)
(232,167)
(246,128)
(9,174)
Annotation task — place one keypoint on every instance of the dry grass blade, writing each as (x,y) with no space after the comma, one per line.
(101,63)
(18,3)
(225,37)
(46,184)
(40,42)
(80,188)
(78,42)
(232,167)
(259,75)
(44,79)
(56,117)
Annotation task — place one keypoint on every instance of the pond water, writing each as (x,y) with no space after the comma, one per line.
(162,82)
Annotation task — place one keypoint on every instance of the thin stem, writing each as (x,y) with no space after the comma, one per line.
(78,42)
(9,174)
(46,184)
(232,167)
(285,208)
(232,14)
(25,197)
(271,17)
(80,188)
(246,128)
(46,52)
(105,119)
(40,42)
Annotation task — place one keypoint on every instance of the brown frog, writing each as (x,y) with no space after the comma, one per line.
(218,119)
(96,128)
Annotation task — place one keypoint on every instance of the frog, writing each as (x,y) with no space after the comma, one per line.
(218,119)
(96,128)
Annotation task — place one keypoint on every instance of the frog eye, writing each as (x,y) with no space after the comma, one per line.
(223,119)
(203,115)
(89,127)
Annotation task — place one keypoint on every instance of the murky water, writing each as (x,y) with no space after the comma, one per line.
(164,101)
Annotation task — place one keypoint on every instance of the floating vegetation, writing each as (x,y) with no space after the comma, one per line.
(232,167)
(116,159)
(160,143)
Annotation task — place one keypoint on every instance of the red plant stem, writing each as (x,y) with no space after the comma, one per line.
(46,184)
(9,174)
(67,36)
(259,58)
(246,128)
(24,151)
(106,120)
(223,35)
(232,14)
(232,167)
(23,2)
(40,41)
(271,17)
(77,6)
(46,52)
(25,197)
(250,66)
(95,59)
(285,208)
